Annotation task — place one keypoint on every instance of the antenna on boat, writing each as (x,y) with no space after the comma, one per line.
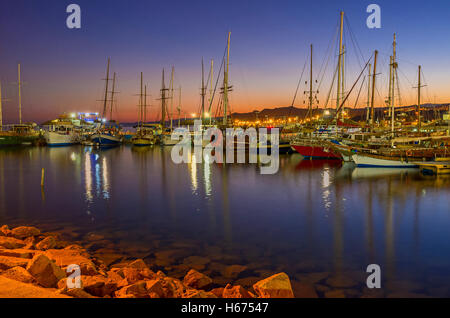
(179,107)
(1,115)
(203,92)
(145,105)
(211,90)
(163,101)
(368,95)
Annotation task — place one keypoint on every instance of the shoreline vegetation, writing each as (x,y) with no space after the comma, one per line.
(33,264)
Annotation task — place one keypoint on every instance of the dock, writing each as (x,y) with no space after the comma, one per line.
(435,168)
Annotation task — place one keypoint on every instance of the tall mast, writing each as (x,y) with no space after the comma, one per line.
(145,104)
(141,117)
(211,90)
(179,107)
(1,114)
(368,95)
(225,82)
(394,73)
(391,93)
(339,61)
(20,94)
(372,115)
(171,98)
(105,101)
(112,95)
(163,101)
(342,80)
(419,124)
(310,84)
(203,92)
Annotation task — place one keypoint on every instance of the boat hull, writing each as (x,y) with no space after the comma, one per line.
(316,152)
(11,140)
(372,161)
(54,139)
(106,140)
(142,142)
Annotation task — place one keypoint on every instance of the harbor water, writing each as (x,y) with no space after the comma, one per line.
(321,222)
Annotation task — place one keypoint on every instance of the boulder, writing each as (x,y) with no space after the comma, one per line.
(19,252)
(276,286)
(235,292)
(7,262)
(23,232)
(11,242)
(10,288)
(68,256)
(136,290)
(20,274)
(47,243)
(218,292)
(197,280)
(155,288)
(76,293)
(99,285)
(193,293)
(45,271)
(5,231)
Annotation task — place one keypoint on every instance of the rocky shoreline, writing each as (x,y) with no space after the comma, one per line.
(34,264)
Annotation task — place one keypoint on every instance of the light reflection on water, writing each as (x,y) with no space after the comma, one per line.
(311,216)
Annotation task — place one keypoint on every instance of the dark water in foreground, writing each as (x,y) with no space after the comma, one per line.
(313,220)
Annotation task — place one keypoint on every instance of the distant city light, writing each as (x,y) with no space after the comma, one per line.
(193,114)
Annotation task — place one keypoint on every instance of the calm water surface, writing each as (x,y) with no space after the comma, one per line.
(311,218)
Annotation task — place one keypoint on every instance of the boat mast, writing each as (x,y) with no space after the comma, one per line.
(211,90)
(163,101)
(20,94)
(225,83)
(310,84)
(105,101)
(372,111)
(140,102)
(342,80)
(419,124)
(394,73)
(113,92)
(145,105)
(339,63)
(203,92)
(1,114)
(171,98)
(368,95)
(179,107)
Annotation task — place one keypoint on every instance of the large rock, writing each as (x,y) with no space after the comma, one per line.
(45,271)
(235,292)
(23,232)
(99,285)
(7,262)
(10,288)
(68,256)
(47,243)
(20,274)
(19,252)
(194,293)
(197,280)
(11,242)
(276,286)
(136,290)
(154,288)
(5,231)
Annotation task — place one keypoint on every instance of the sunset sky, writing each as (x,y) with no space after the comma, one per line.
(63,68)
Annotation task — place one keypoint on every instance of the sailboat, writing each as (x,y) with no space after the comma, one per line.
(145,135)
(17,134)
(166,136)
(108,134)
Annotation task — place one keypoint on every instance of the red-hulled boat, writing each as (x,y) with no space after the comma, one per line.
(315,149)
